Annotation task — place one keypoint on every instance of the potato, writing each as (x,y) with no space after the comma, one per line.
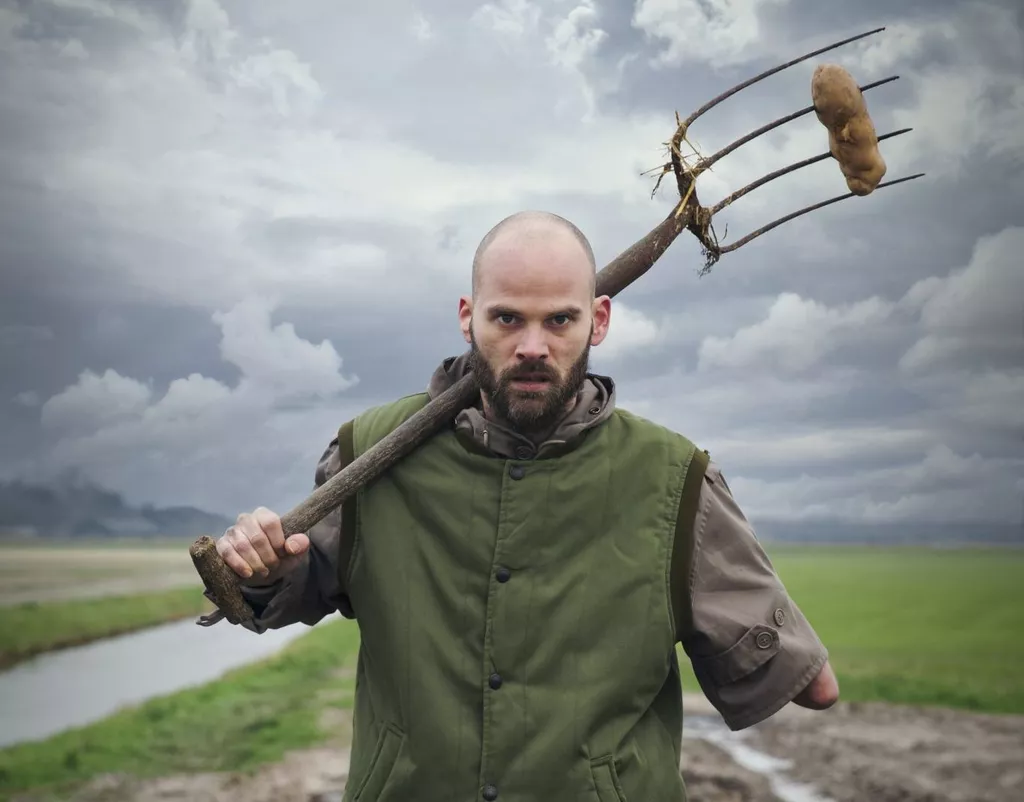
(840,107)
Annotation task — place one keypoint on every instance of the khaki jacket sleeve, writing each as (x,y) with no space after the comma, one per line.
(751,647)
(311,590)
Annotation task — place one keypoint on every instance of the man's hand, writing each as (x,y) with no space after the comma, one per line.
(256,545)
(822,692)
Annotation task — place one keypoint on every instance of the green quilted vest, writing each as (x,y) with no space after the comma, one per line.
(517,634)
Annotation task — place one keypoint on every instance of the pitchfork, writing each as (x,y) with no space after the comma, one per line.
(626,268)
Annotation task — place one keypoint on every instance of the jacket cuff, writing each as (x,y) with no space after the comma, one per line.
(270,603)
(768,667)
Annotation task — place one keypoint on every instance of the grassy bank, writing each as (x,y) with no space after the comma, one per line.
(911,625)
(249,717)
(36,627)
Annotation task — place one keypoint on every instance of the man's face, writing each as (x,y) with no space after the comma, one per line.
(532,324)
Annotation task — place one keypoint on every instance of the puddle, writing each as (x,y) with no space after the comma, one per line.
(772,768)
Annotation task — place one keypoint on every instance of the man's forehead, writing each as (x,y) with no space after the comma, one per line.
(545,266)
(534,287)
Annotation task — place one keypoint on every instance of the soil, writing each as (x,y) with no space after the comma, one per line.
(877,752)
(888,753)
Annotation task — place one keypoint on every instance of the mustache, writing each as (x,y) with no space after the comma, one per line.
(530,371)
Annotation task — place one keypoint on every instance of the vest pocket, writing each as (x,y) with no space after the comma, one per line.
(385,755)
(606,780)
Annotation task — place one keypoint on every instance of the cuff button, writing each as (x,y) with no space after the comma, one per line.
(764,640)
(780,618)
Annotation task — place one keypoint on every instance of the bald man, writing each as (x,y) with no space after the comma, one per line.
(522,580)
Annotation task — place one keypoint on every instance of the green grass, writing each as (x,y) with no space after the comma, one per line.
(249,717)
(36,627)
(913,625)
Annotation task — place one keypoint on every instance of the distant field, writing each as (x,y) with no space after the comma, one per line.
(915,625)
(75,570)
(34,628)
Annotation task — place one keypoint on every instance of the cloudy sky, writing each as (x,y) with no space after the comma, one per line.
(228,226)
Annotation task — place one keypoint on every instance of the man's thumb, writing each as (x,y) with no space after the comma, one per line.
(297,544)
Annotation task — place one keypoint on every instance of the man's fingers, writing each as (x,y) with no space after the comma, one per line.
(232,559)
(240,541)
(259,540)
(297,544)
(270,523)
(256,544)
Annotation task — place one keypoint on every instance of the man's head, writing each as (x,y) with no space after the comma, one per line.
(533,317)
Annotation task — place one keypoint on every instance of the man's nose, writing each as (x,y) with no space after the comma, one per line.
(533,344)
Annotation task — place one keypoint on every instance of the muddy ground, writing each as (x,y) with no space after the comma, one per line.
(876,752)
(887,753)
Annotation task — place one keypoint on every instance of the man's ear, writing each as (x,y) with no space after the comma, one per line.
(602,315)
(466,317)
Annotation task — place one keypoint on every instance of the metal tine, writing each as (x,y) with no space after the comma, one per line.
(705,164)
(730,92)
(765,229)
(739,193)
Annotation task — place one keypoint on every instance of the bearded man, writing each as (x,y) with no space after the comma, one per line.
(521,581)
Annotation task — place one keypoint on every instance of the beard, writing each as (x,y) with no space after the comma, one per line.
(529,412)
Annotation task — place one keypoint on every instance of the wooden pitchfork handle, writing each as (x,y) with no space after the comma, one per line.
(222,582)
(223,585)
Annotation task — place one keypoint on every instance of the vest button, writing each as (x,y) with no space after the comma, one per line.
(490,793)
(495,681)
(503,575)
(517,471)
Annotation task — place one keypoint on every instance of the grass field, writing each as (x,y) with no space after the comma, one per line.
(936,627)
(914,625)
(37,627)
(61,570)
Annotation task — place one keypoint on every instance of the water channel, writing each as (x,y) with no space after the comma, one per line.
(68,688)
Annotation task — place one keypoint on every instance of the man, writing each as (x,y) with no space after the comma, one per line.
(522,579)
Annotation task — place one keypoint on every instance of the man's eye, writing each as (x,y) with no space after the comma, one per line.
(561,320)
(507,320)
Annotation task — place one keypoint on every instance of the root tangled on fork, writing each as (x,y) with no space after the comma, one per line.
(697,218)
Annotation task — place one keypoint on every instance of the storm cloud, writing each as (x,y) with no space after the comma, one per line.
(228,227)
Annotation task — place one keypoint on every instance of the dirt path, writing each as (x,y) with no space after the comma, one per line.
(874,752)
(887,753)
